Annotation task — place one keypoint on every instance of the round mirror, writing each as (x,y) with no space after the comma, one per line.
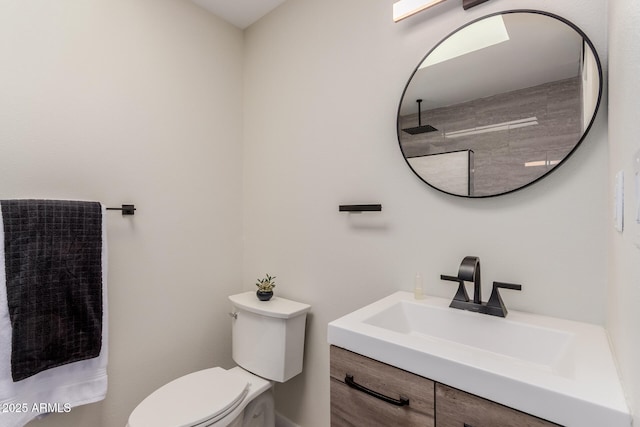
(499,103)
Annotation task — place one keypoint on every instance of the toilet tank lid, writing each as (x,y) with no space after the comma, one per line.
(275,307)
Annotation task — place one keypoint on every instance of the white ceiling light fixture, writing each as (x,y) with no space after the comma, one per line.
(405,8)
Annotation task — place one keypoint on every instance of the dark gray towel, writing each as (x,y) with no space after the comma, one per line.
(53,260)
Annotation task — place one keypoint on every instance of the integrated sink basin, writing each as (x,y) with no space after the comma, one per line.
(510,342)
(556,369)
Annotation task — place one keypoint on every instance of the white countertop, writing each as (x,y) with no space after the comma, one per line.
(578,386)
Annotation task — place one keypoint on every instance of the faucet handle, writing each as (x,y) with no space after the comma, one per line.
(461,294)
(495,304)
(515,287)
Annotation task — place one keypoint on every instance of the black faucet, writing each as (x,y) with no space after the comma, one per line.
(470,271)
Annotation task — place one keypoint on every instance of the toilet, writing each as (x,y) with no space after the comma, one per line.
(268,345)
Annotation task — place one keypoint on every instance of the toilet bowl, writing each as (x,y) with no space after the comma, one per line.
(211,397)
(268,345)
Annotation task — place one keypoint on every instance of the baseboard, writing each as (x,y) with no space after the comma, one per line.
(282,421)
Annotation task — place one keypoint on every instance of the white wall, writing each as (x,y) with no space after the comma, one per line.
(134,101)
(323,80)
(140,102)
(624,128)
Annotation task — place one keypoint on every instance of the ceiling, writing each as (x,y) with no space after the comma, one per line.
(540,49)
(240,13)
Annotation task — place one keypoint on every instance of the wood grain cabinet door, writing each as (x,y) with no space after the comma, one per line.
(455,408)
(353,406)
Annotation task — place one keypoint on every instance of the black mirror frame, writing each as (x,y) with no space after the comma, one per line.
(584,134)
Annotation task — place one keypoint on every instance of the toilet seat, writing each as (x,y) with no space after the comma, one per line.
(197,399)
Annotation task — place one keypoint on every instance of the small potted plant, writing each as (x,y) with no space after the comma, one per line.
(265,288)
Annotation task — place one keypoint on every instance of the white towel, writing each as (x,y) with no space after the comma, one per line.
(54,390)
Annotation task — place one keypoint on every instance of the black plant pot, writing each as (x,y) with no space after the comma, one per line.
(264,295)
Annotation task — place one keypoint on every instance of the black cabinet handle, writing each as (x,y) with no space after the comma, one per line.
(403,401)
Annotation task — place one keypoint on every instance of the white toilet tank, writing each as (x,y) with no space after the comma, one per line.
(268,336)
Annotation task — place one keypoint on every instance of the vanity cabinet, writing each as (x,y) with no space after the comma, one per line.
(430,404)
(353,407)
(455,408)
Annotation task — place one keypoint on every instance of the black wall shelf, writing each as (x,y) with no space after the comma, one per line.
(360,208)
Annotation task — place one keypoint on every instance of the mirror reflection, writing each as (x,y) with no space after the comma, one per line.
(499,103)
